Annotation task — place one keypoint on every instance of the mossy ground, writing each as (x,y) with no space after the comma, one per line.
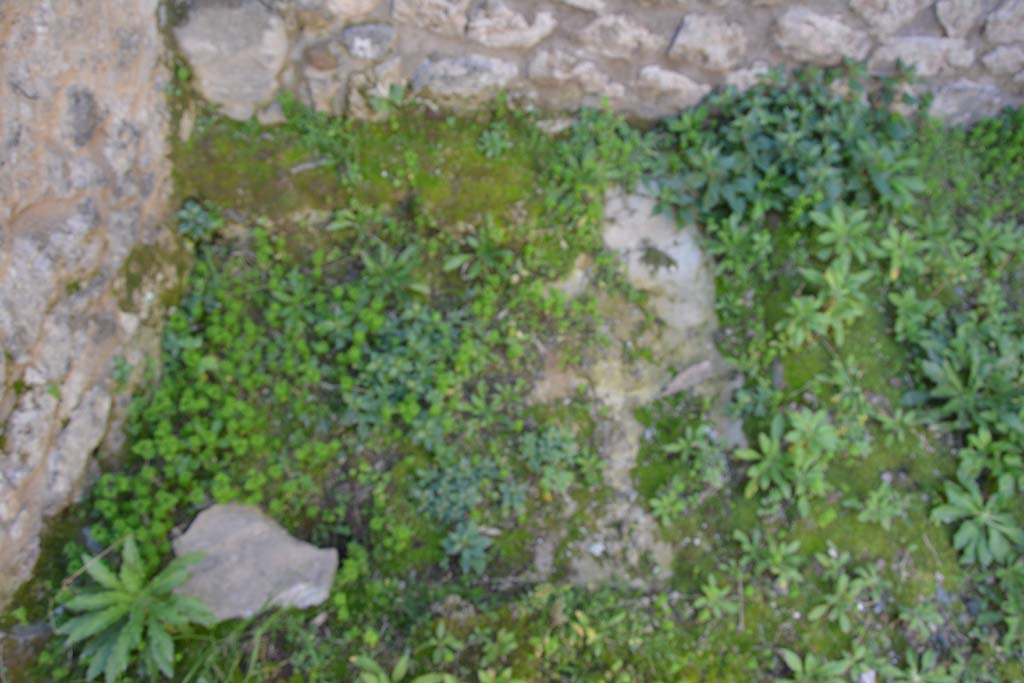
(355,349)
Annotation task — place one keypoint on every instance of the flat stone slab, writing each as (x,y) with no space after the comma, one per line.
(252,563)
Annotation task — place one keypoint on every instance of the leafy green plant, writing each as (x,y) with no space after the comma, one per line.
(923,668)
(495,140)
(771,554)
(372,672)
(845,234)
(131,615)
(987,531)
(840,602)
(198,222)
(811,669)
(470,545)
(883,505)
(714,601)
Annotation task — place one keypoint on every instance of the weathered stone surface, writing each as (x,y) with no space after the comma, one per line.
(818,38)
(496,25)
(888,16)
(571,68)
(966,101)
(675,89)
(68,459)
(620,37)
(744,79)
(1006,24)
(368,41)
(81,114)
(1005,59)
(351,9)
(447,17)
(458,82)
(319,56)
(251,563)
(622,542)
(958,17)
(85,180)
(588,5)
(710,41)
(236,52)
(929,56)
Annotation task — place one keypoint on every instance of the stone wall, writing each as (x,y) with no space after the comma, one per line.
(83,191)
(646,57)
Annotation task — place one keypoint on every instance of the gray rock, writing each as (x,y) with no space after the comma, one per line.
(818,38)
(251,563)
(69,458)
(966,101)
(368,41)
(496,25)
(709,41)
(675,89)
(588,5)
(562,67)
(84,174)
(958,17)
(447,17)
(1005,59)
(236,52)
(620,37)
(464,81)
(745,79)
(1006,24)
(320,57)
(929,56)
(888,16)
(26,288)
(82,114)
(351,9)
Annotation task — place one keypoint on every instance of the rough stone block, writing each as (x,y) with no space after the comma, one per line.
(929,56)
(620,37)
(237,53)
(447,17)
(463,81)
(496,25)
(1006,24)
(251,563)
(710,41)
(888,16)
(818,38)
(958,17)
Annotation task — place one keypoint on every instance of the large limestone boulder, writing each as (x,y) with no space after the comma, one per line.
(85,183)
(237,52)
(251,563)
